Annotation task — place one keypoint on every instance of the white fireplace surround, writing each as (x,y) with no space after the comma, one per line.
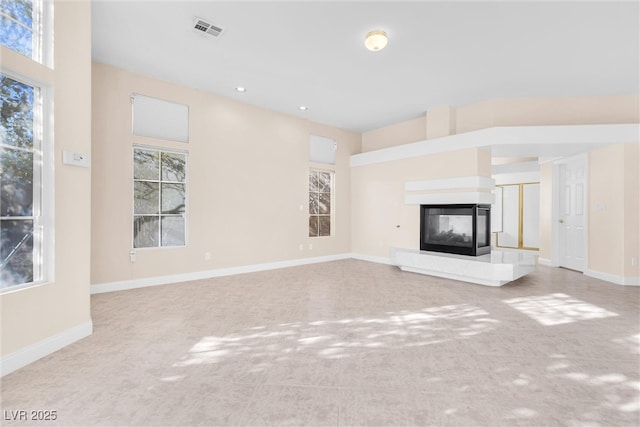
(495,269)
(464,190)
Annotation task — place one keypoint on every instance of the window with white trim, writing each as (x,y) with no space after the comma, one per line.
(159,197)
(22,26)
(320,202)
(22,224)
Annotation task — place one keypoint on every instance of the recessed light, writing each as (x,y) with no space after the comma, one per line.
(303,108)
(241,89)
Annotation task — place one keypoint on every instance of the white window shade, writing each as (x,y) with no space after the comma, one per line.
(322,150)
(157,118)
(531,215)
(509,237)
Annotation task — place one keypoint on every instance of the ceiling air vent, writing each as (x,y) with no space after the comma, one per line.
(201,25)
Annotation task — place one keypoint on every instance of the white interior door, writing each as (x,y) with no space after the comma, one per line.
(572,218)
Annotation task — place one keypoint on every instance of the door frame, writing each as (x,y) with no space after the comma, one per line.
(555,209)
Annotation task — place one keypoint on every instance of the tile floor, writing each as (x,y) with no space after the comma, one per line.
(348,343)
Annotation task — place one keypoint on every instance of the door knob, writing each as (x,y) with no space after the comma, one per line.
(561,221)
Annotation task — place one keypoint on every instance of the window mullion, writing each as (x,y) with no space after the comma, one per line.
(160,214)
(14,148)
(14,20)
(36,19)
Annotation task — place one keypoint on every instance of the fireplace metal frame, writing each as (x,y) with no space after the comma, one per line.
(474,250)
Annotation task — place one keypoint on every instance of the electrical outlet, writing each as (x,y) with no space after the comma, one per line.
(207,256)
(310,246)
(132,256)
(301,247)
(634,261)
(75,159)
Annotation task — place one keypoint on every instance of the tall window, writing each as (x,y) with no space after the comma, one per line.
(159,198)
(21,167)
(21,27)
(320,191)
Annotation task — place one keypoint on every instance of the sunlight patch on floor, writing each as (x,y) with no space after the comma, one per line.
(333,339)
(173,379)
(524,413)
(557,309)
(631,342)
(616,389)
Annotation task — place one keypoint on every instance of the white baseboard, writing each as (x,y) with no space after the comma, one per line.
(40,349)
(199,275)
(618,280)
(546,261)
(371,258)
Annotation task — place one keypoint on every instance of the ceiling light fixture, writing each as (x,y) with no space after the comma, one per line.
(241,89)
(303,108)
(376,40)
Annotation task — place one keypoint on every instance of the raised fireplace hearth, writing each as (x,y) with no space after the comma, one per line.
(495,269)
(463,229)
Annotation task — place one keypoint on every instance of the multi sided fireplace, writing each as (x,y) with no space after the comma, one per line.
(456,229)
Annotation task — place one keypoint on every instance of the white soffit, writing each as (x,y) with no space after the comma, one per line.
(517,178)
(515,168)
(525,140)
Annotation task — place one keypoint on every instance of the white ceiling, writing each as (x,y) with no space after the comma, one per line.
(312,53)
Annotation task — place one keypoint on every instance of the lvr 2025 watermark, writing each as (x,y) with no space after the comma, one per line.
(23,415)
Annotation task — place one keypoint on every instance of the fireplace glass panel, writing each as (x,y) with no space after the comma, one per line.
(450,226)
(482,231)
(462,229)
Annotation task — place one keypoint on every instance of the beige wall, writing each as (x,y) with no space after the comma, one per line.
(441,121)
(247,178)
(614,234)
(606,226)
(34,314)
(377,197)
(446,120)
(413,130)
(548,111)
(631,209)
